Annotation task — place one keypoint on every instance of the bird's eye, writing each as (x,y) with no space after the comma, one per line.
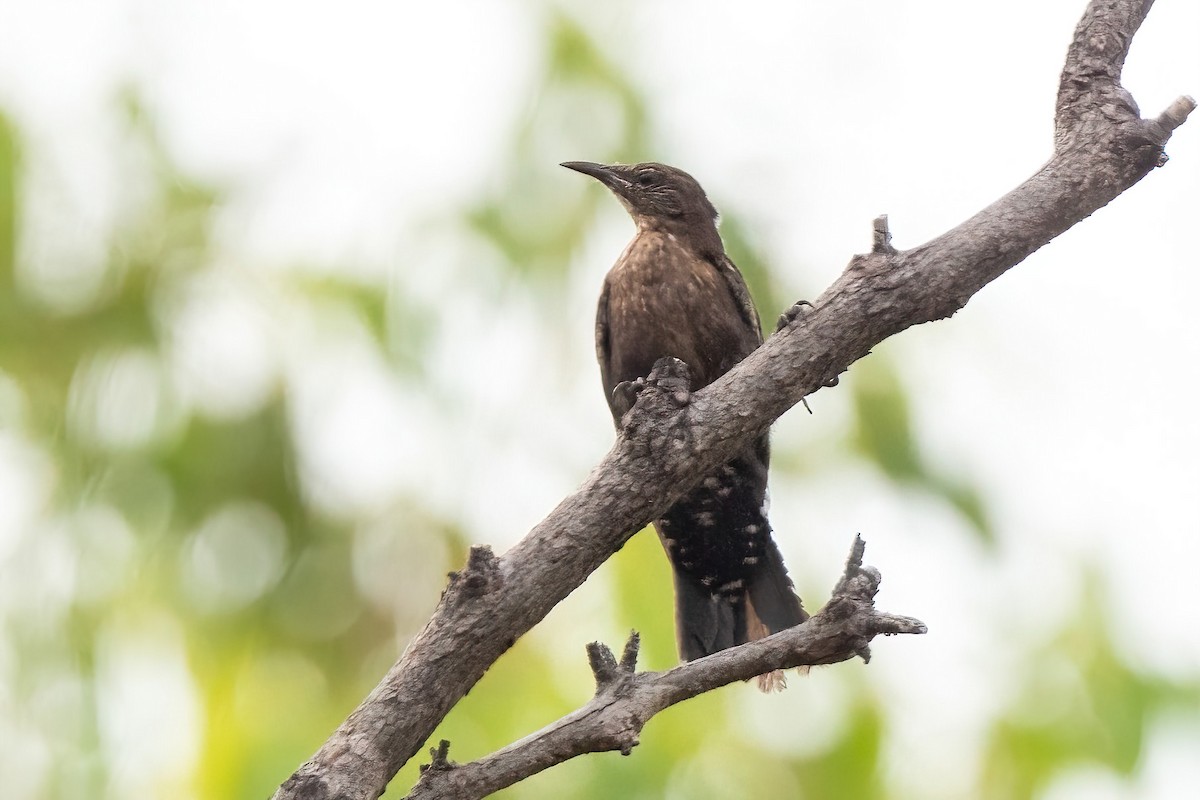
(645,179)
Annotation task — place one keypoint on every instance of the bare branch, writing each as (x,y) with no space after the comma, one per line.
(1102,147)
(882,236)
(624,702)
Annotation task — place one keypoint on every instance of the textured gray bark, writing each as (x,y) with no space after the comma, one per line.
(625,700)
(1102,147)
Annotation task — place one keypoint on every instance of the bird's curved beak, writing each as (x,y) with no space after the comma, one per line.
(600,172)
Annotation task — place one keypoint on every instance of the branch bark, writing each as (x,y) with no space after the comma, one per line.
(625,701)
(1102,147)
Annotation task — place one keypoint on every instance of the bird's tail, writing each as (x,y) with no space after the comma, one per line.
(707,621)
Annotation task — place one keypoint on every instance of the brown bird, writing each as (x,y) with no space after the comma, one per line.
(674,292)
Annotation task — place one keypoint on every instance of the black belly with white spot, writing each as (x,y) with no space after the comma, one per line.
(717,533)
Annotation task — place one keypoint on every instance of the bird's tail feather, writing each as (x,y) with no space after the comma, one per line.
(772,604)
(706,622)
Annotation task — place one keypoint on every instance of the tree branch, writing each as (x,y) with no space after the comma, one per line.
(624,701)
(1102,147)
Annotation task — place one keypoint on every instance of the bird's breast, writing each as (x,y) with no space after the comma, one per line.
(664,300)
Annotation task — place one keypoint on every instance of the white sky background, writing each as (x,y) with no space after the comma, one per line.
(1067,388)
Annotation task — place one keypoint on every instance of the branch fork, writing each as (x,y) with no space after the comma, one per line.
(625,700)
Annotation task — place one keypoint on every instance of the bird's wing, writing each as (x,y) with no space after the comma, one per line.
(603,349)
(741,295)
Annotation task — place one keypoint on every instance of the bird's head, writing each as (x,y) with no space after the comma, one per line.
(653,191)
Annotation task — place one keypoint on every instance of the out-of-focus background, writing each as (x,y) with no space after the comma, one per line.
(295,305)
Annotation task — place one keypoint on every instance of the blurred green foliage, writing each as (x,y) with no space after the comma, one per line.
(525,216)
(1084,705)
(189,537)
(884,435)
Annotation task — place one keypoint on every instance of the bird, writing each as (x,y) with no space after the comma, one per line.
(674,292)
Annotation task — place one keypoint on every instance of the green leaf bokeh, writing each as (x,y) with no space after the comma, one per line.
(186,553)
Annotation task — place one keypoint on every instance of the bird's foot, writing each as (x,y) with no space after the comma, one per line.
(625,394)
(669,376)
(792,314)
